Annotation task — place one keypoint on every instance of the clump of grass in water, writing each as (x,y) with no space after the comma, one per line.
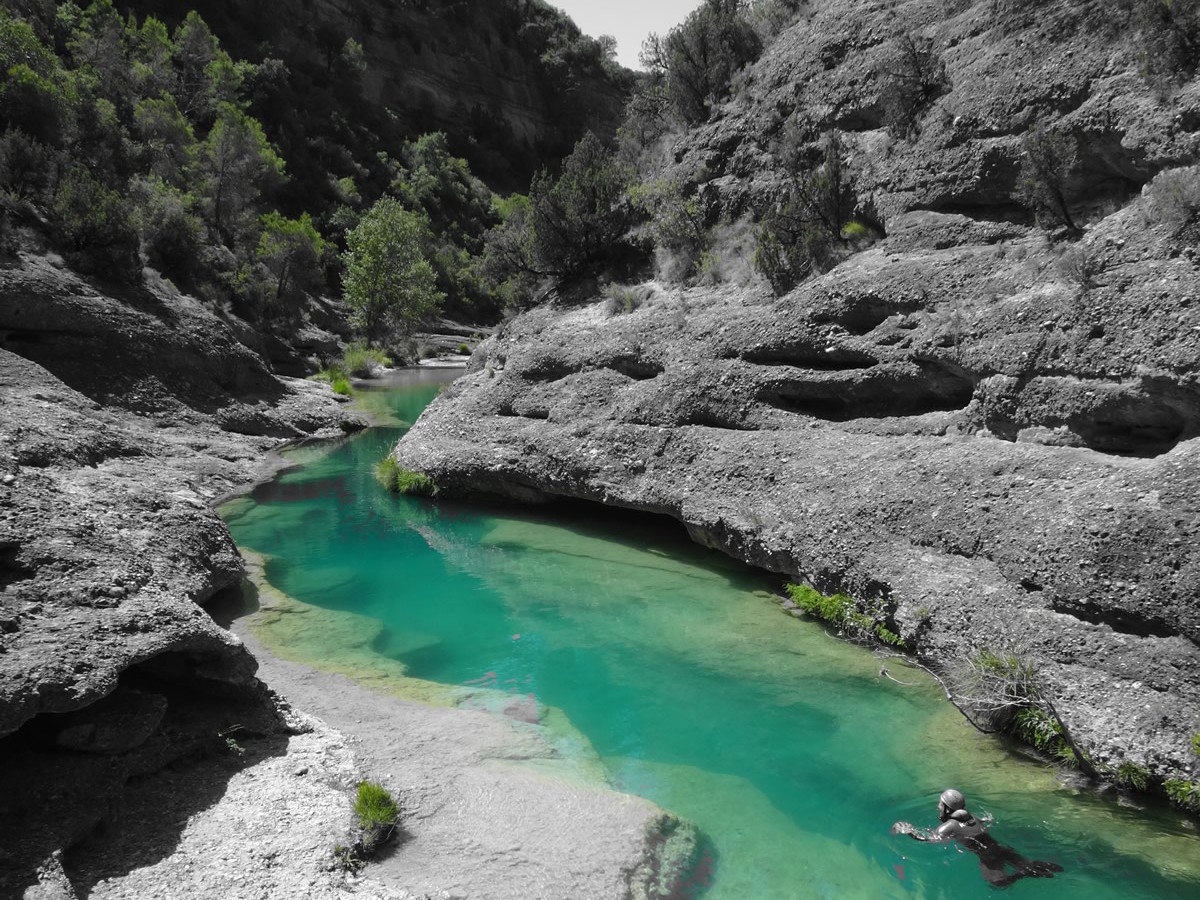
(361,361)
(840,610)
(400,480)
(378,819)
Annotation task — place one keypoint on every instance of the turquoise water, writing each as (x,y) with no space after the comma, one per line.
(785,747)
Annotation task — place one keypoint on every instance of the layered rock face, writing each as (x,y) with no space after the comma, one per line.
(122,420)
(986,437)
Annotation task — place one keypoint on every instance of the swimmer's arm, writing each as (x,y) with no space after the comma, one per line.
(943,833)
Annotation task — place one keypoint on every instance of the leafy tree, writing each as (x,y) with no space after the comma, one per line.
(170,231)
(698,59)
(93,226)
(387,281)
(291,250)
(207,77)
(166,136)
(38,95)
(238,164)
(1048,160)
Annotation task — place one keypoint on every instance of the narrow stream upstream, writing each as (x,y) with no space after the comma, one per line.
(676,667)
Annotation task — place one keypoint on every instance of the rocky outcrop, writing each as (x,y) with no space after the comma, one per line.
(122,420)
(985,434)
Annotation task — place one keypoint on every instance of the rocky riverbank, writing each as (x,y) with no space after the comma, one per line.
(1013,471)
(145,750)
(984,430)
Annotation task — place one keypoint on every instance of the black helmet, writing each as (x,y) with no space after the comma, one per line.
(952,800)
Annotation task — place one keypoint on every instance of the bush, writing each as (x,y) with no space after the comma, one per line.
(698,59)
(1183,793)
(913,77)
(400,480)
(1042,731)
(1131,775)
(676,225)
(94,226)
(813,226)
(361,361)
(1049,158)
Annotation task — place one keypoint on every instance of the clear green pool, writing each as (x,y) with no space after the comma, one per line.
(783,745)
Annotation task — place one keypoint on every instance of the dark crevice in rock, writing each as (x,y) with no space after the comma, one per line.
(1117,619)
(864,313)
(11,570)
(940,387)
(707,418)
(549,370)
(508,411)
(806,356)
(635,367)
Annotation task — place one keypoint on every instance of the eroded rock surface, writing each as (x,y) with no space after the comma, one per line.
(122,420)
(985,432)
(141,753)
(954,435)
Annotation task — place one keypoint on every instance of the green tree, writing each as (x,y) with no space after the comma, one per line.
(580,220)
(37,95)
(291,250)
(676,224)
(387,281)
(238,165)
(93,225)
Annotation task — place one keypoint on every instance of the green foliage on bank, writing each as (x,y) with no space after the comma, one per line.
(127,143)
(841,611)
(400,480)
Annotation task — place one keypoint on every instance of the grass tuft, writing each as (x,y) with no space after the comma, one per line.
(400,480)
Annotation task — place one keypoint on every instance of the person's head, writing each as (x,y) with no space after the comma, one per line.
(950,801)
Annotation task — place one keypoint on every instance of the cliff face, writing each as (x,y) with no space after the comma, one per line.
(122,420)
(987,436)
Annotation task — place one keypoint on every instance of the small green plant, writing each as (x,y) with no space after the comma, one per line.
(341,386)
(464,350)
(377,811)
(1196,743)
(361,361)
(400,480)
(1039,729)
(1131,775)
(1183,793)
(833,608)
(840,610)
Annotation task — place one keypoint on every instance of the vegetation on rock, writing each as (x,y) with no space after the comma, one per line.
(400,480)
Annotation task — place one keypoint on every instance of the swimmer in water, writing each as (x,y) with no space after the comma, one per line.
(999,865)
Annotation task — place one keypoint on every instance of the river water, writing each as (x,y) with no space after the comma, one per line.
(676,668)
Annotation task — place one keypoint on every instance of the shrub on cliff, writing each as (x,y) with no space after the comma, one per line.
(1048,159)
(814,224)
(697,60)
(676,224)
(571,227)
(913,76)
